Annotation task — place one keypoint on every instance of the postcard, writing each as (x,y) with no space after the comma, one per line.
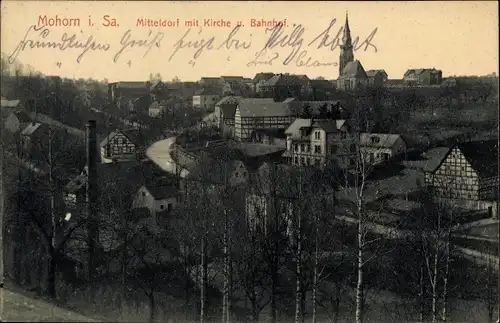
(185,161)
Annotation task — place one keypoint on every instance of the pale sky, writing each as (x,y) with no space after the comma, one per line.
(460,38)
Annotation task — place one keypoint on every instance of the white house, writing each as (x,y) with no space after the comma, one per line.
(313,142)
(378,148)
(206,98)
(156,199)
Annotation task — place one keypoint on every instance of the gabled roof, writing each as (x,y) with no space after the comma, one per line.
(134,135)
(161,191)
(262,77)
(418,71)
(208,91)
(328,125)
(230,99)
(372,73)
(378,140)
(287,80)
(354,70)
(482,156)
(263,108)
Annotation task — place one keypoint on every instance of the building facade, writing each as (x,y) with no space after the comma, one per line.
(252,114)
(206,98)
(377,77)
(123,145)
(380,148)
(316,143)
(423,76)
(467,176)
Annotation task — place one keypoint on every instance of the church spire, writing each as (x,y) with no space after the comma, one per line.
(346,39)
(346,49)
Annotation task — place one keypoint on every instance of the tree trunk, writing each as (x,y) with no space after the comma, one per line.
(434,287)
(446,275)
(421,294)
(298,271)
(52,254)
(152,307)
(274,277)
(203,286)
(315,274)
(225,291)
(51,273)
(359,285)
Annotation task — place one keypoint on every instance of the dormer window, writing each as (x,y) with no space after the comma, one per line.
(375,140)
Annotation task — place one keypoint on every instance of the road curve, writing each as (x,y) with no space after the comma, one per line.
(159,153)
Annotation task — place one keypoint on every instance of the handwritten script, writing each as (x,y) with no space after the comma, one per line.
(288,46)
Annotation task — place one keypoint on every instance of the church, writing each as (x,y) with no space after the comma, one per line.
(351,73)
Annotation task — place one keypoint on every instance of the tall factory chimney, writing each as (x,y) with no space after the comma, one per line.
(92,196)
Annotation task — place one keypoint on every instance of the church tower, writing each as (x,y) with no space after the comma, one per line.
(346,49)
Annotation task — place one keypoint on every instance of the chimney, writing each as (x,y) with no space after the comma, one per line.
(92,195)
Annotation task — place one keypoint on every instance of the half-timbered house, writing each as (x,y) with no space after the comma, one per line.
(467,175)
(123,145)
(252,114)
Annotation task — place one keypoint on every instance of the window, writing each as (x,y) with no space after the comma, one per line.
(169,207)
(317,149)
(317,135)
(296,147)
(317,162)
(343,135)
(143,193)
(162,207)
(296,161)
(308,161)
(302,162)
(302,148)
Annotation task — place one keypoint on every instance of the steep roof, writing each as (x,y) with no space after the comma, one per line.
(160,192)
(263,108)
(354,69)
(230,99)
(287,80)
(378,140)
(418,71)
(134,135)
(328,125)
(372,73)
(262,77)
(482,156)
